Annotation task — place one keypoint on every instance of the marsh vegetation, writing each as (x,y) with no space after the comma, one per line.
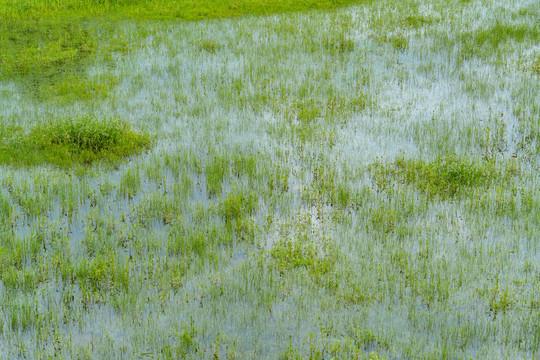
(240,180)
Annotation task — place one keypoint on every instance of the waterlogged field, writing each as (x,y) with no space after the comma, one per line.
(353,182)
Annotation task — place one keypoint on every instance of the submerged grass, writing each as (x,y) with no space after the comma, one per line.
(48,55)
(67,141)
(44,46)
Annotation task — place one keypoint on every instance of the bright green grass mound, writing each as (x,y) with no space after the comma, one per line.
(69,141)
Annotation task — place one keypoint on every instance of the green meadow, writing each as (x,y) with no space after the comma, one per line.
(256,179)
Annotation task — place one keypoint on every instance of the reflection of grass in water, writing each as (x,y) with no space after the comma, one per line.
(66,141)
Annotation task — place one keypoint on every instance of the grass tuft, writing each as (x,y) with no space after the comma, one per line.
(485,42)
(289,255)
(445,177)
(69,141)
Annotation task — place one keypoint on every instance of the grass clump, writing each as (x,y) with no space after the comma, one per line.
(216,172)
(237,204)
(484,42)
(535,66)
(68,141)
(289,254)
(103,274)
(445,177)
(531,65)
(303,248)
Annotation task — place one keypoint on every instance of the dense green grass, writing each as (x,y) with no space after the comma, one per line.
(488,42)
(47,43)
(41,38)
(68,141)
(161,9)
(445,177)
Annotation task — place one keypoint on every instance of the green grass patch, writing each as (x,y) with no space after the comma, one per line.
(535,66)
(40,40)
(393,28)
(485,42)
(445,177)
(42,46)
(162,9)
(103,274)
(308,117)
(48,54)
(316,259)
(237,204)
(216,172)
(73,86)
(68,141)
(530,65)
(303,248)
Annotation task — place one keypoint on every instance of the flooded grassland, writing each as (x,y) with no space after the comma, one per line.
(359,182)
